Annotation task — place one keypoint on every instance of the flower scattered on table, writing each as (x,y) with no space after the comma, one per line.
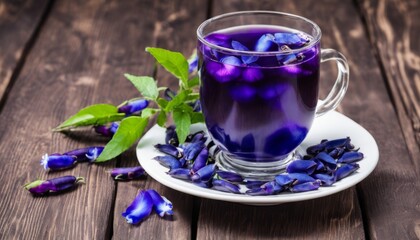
(128,173)
(53,185)
(57,161)
(143,204)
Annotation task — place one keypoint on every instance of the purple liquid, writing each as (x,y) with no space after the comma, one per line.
(258,108)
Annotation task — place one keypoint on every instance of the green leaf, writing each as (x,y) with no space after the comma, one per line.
(97,114)
(195,81)
(129,131)
(146,85)
(173,62)
(147,112)
(182,122)
(177,100)
(196,117)
(162,103)
(161,119)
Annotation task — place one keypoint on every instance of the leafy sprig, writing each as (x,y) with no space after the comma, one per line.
(131,129)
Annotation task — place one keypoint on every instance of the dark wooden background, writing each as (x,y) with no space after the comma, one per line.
(59,56)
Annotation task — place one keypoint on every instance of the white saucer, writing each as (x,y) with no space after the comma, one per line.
(329,126)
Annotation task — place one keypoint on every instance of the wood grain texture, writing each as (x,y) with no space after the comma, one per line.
(172,26)
(77,60)
(333,217)
(393,28)
(18,22)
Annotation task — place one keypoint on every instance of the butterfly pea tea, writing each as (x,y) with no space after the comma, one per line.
(259,75)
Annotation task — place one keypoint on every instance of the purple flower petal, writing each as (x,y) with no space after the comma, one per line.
(245,59)
(301,166)
(180,173)
(242,93)
(225,186)
(327,160)
(231,60)
(171,137)
(168,161)
(93,153)
(57,162)
(345,170)
(252,74)
(103,130)
(204,174)
(326,179)
(223,72)
(133,106)
(139,209)
(264,43)
(230,176)
(128,173)
(350,157)
(170,150)
(161,204)
(307,186)
(201,160)
(60,184)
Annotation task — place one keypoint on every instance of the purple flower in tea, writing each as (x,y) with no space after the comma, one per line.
(60,184)
(139,209)
(57,162)
(161,204)
(133,106)
(128,173)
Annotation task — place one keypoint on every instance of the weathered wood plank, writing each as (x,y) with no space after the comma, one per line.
(393,26)
(78,59)
(334,217)
(392,192)
(18,23)
(173,25)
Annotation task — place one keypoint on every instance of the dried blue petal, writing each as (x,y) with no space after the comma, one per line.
(198,137)
(201,160)
(192,150)
(287,179)
(171,136)
(93,153)
(81,154)
(128,173)
(253,184)
(161,204)
(114,127)
(60,184)
(245,59)
(307,186)
(337,152)
(350,157)
(345,170)
(326,179)
(327,160)
(230,176)
(337,143)
(103,130)
(203,184)
(168,161)
(139,209)
(133,106)
(268,188)
(57,162)
(204,174)
(180,173)
(301,166)
(264,43)
(225,186)
(170,150)
(196,106)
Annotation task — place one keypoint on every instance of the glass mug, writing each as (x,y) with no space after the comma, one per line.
(259,73)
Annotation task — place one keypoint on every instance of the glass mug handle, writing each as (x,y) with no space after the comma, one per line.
(341,83)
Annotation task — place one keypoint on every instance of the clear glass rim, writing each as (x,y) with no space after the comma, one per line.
(202,39)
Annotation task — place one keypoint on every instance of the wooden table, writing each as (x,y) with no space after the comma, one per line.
(59,56)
